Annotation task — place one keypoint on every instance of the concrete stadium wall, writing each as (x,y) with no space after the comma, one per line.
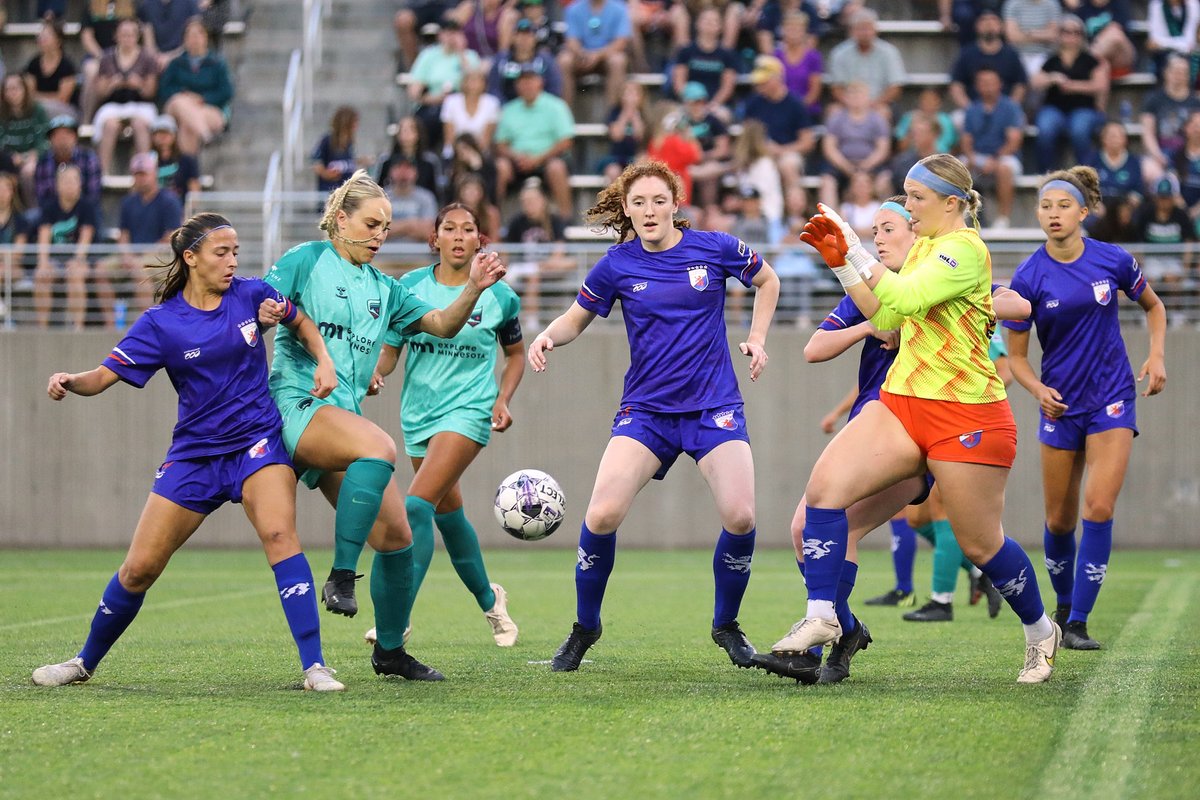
(76,473)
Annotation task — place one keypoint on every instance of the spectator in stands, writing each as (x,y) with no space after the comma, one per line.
(756,169)
(412,17)
(1187,166)
(14,229)
(469,160)
(544,33)
(126,85)
(481,22)
(929,105)
(471,191)
(65,149)
(413,207)
(1114,222)
(672,142)
(51,75)
(68,223)
(410,141)
(860,204)
(525,52)
(98,33)
(1107,25)
(471,110)
(1163,113)
(857,139)
(657,18)
(710,133)
(166,26)
(627,130)
(988,51)
(149,216)
(789,127)
(1076,88)
(543,235)
(751,224)
(962,17)
(535,131)
(177,171)
(197,90)
(1119,170)
(216,14)
(438,73)
(598,34)
(993,131)
(1031,26)
(23,128)
(923,135)
(333,158)
(1172,27)
(706,62)
(823,17)
(1162,220)
(802,63)
(867,58)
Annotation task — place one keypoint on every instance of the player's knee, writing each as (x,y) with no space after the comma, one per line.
(1060,524)
(380,445)
(738,520)
(138,575)
(1098,509)
(604,516)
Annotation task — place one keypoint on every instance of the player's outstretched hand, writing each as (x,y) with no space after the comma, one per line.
(1157,372)
(1050,402)
(848,233)
(501,419)
(758,358)
(541,345)
(890,339)
(60,384)
(324,379)
(487,268)
(376,385)
(823,235)
(829,422)
(270,312)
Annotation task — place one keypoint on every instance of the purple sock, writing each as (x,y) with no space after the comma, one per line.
(297,593)
(1012,574)
(1095,547)
(731,574)
(118,607)
(1060,562)
(825,535)
(904,553)
(594,565)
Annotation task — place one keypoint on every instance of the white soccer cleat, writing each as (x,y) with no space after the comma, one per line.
(62,674)
(504,630)
(370,638)
(1039,658)
(319,678)
(806,634)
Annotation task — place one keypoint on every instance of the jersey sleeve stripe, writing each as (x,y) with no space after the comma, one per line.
(121,356)
(751,263)
(589,294)
(834,319)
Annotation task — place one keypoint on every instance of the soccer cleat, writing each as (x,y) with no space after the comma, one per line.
(1039,658)
(976,589)
(837,665)
(994,600)
(1075,637)
(570,654)
(399,662)
(370,638)
(504,630)
(933,611)
(731,637)
(1062,613)
(338,592)
(895,597)
(808,633)
(319,678)
(67,672)
(803,668)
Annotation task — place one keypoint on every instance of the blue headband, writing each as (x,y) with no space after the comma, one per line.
(1065,186)
(922,174)
(200,238)
(897,208)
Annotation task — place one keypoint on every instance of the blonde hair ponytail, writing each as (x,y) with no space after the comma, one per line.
(348,197)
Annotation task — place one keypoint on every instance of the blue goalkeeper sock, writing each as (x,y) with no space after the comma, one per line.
(1012,574)
(1060,562)
(904,553)
(592,568)
(118,607)
(358,504)
(731,574)
(294,579)
(1095,548)
(842,606)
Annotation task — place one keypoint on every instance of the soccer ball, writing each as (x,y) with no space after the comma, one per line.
(529,505)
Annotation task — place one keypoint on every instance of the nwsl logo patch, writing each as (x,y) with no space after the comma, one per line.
(698,277)
(725,420)
(1116,409)
(969,440)
(1102,292)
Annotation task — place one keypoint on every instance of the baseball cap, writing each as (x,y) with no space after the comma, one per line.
(431,29)
(451,24)
(525,25)
(164,122)
(750,193)
(529,68)
(1167,186)
(694,90)
(143,162)
(765,68)
(63,121)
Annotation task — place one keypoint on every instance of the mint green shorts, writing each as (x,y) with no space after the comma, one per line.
(467,423)
(297,410)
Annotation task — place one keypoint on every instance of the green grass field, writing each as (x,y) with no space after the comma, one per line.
(200,698)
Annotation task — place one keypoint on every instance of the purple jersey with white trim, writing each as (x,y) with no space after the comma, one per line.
(1075,311)
(874,361)
(674,308)
(216,361)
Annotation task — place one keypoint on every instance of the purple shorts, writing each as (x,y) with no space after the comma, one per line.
(1071,432)
(696,433)
(923,495)
(205,484)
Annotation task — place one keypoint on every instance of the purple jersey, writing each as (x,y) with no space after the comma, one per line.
(874,362)
(216,361)
(674,308)
(1075,310)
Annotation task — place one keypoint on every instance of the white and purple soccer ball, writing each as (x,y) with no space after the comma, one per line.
(529,505)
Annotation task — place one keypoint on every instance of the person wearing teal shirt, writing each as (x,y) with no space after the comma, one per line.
(533,135)
(450,404)
(348,457)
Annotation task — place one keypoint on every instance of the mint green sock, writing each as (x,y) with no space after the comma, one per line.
(420,519)
(462,544)
(926,532)
(947,556)
(357,507)
(391,592)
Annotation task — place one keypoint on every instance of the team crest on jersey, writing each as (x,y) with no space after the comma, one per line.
(698,277)
(373,308)
(725,420)
(1116,409)
(475,319)
(259,449)
(249,330)
(1102,292)
(969,440)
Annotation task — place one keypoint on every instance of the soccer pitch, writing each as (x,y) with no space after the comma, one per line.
(201,697)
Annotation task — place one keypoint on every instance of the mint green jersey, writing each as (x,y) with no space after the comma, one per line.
(353,307)
(454,379)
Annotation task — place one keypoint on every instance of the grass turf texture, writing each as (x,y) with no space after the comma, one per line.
(201,697)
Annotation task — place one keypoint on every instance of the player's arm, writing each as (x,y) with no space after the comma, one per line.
(389,356)
(829,421)
(510,379)
(1156,323)
(824,345)
(1009,305)
(86,384)
(1049,400)
(563,330)
(1004,370)
(325,375)
(766,297)
(486,269)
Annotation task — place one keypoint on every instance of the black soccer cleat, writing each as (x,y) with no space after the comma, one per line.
(933,611)
(731,637)
(338,592)
(1075,637)
(994,600)
(1061,614)
(837,665)
(570,655)
(399,663)
(802,667)
(895,597)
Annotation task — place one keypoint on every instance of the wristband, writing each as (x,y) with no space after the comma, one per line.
(860,259)
(848,275)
